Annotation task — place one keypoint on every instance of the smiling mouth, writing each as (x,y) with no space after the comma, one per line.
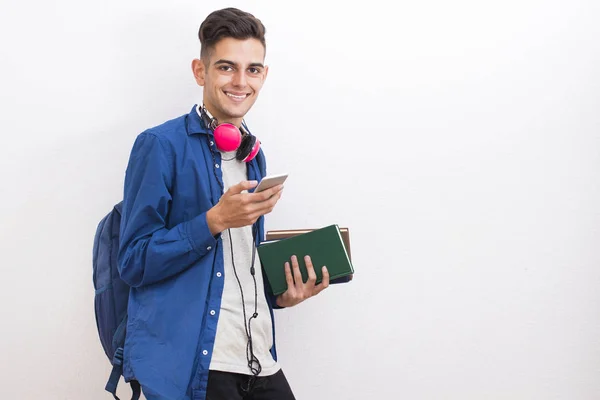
(238,97)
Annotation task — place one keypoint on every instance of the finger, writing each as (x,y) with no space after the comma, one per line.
(266,194)
(312,277)
(297,274)
(275,198)
(324,283)
(240,187)
(288,276)
(325,280)
(254,215)
(266,206)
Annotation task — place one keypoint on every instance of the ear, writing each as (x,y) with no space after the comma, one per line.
(199,70)
(266,72)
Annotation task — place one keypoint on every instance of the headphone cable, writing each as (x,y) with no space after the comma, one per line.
(253,362)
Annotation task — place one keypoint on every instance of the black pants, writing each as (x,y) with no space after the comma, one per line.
(227,386)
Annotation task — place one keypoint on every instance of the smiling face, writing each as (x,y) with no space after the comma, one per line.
(232,74)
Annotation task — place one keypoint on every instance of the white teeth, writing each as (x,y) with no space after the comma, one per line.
(236,97)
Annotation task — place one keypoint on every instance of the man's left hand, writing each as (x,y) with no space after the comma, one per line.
(298,291)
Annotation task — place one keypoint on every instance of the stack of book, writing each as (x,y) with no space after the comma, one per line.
(328,246)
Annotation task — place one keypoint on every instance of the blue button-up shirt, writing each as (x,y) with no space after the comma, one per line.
(171,260)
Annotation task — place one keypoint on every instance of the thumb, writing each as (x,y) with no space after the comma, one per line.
(243,185)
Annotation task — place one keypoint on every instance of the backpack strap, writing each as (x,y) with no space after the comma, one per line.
(115,376)
(117,362)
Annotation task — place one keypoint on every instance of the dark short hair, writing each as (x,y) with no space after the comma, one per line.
(229,23)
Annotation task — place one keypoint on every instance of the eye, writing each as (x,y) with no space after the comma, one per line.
(254,70)
(225,68)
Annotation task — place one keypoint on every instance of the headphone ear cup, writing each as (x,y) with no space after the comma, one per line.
(248,149)
(227,137)
(254,150)
(245,147)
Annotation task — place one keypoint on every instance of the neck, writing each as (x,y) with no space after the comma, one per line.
(221,119)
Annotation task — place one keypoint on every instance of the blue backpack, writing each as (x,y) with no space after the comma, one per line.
(111,298)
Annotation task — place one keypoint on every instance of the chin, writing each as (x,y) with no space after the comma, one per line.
(237,112)
(234,114)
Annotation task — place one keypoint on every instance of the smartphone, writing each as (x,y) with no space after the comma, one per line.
(269,181)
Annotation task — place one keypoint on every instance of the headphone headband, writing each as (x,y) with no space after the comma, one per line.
(229,137)
(212,123)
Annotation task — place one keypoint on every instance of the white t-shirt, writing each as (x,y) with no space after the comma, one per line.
(229,353)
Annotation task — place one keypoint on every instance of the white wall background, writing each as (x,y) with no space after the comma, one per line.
(459,141)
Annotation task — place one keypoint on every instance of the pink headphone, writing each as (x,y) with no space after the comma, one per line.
(229,138)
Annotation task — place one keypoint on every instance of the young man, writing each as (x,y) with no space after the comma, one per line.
(200,312)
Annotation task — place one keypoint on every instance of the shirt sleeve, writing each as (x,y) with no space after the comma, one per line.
(149,251)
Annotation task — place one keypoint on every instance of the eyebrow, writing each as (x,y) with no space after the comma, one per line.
(223,61)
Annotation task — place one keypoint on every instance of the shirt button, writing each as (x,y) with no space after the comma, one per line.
(218,274)
(217,165)
(205,352)
(208,248)
(212,143)
(212,312)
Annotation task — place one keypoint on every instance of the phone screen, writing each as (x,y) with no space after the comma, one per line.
(269,181)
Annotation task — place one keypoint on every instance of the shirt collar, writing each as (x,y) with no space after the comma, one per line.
(194,123)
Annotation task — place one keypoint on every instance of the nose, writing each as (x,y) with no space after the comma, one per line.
(239,79)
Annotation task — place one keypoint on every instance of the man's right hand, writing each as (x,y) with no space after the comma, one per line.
(238,208)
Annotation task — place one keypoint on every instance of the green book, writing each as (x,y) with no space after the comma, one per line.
(325,246)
